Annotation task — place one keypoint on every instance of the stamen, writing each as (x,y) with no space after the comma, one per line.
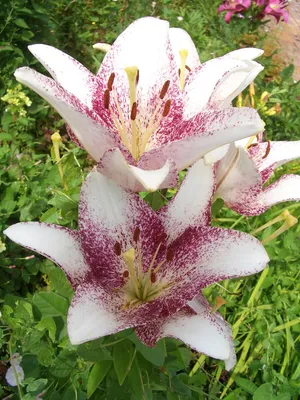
(267,150)
(137,77)
(133,111)
(154,258)
(106,99)
(188,68)
(290,221)
(170,255)
(111,81)
(183,56)
(136,234)
(250,141)
(117,249)
(281,217)
(153,277)
(129,258)
(164,89)
(167,108)
(252,145)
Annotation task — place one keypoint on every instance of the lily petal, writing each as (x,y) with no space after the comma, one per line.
(66,71)
(207,255)
(191,205)
(204,332)
(216,155)
(109,215)
(87,127)
(287,188)
(248,53)
(218,81)
(180,40)
(114,166)
(237,177)
(59,244)
(92,314)
(203,134)
(279,153)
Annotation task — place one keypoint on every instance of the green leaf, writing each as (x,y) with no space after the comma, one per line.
(21,23)
(216,207)
(123,356)
(93,351)
(51,304)
(97,375)
(49,325)
(64,364)
(135,380)
(264,392)
(156,354)
(245,384)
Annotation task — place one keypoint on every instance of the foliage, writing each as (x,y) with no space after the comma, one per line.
(35,294)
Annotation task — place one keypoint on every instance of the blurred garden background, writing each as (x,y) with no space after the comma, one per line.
(34,293)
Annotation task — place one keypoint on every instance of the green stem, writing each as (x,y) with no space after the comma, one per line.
(14,369)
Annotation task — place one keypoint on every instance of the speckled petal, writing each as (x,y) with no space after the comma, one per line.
(238,179)
(109,214)
(59,244)
(203,134)
(247,53)
(279,153)
(216,83)
(207,255)
(192,204)
(195,325)
(114,166)
(85,124)
(93,314)
(66,71)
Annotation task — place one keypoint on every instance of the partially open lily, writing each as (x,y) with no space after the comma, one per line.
(152,109)
(133,267)
(246,168)
(233,7)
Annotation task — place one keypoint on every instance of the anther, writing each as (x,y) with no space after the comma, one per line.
(188,68)
(111,81)
(153,277)
(164,89)
(126,274)
(179,71)
(106,99)
(133,111)
(136,234)
(252,145)
(170,255)
(117,249)
(137,76)
(267,150)
(166,108)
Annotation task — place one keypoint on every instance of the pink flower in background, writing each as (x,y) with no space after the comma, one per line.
(233,7)
(276,8)
(132,267)
(260,3)
(152,109)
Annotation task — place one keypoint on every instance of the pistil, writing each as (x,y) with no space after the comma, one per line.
(132,73)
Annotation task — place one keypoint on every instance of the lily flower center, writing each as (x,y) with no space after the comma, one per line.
(137,137)
(134,129)
(142,285)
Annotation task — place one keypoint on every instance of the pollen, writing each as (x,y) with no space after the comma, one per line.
(111,81)
(164,90)
(106,99)
(167,108)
